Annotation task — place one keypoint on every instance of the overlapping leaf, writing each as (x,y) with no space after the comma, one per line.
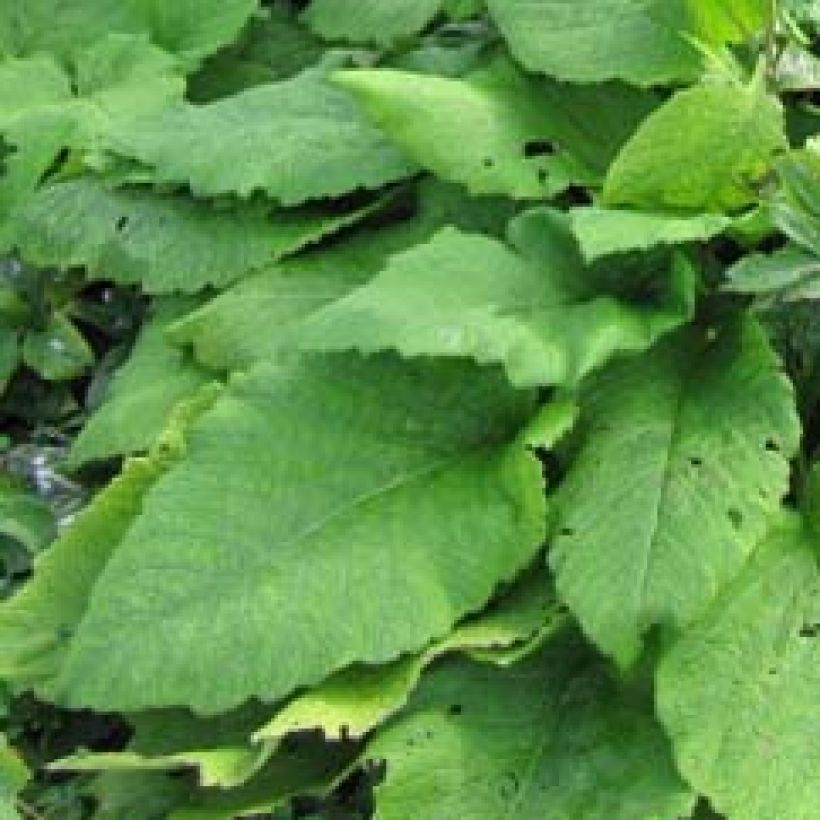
(141,394)
(551,734)
(295,140)
(738,693)
(532,307)
(674,483)
(513,135)
(167,243)
(281,516)
(706,149)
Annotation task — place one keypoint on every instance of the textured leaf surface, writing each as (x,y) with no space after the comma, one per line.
(716,21)
(605,231)
(738,693)
(190,28)
(141,394)
(705,149)
(535,311)
(165,242)
(677,475)
(639,41)
(513,135)
(353,702)
(296,140)
(37,624)
(369,21)
(281,517)
(253,320)
(552,734)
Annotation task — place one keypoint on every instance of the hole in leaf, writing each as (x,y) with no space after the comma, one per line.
(696,461)
(456,709)
(567,532)
(122,223)
(543,176)
(489,162)
(736,517)
(538,148)
(772,446)
(810,630)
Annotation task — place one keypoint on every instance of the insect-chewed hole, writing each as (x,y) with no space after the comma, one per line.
(810,630)
(456,709)
(696,461)
(772,446)
(567,532)
(736,517)
(122,223)
(488,162)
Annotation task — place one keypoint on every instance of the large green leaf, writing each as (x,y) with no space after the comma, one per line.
(321,517)
(513,135)
(36,625)
(738,693)
(706,149)
(716,21)
(166,242)
(369,21)
(640,41)
(354,701)
(295,140)
(550,737)
(141,394)
(684,457)
(605,231)
(253,320)
(190,28)
(532,307)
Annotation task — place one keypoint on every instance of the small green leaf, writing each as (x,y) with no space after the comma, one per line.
(141,394)
(59,352)
(606,231)
(704,150)
(13,777)
(789,274)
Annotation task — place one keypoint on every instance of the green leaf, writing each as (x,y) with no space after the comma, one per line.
(704,150)
(295,140)
(13,776)
(354,701)
(369,21)
(141,394)
(462,9)
(716,21)
(738,693)
(640,41)
(30,84)
(165,242)
(37,623)
(190,28)
(678,472)
(513,135)
(136,795)
(789,274)
(253,320)
(532,307)
(9,353)
(605,231)
(25,518)
(550,737)
(272,506)
(58,352)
